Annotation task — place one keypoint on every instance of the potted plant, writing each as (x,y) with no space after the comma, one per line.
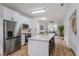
(61,30)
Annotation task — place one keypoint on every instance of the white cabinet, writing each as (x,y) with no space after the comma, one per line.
(22,39)
(39,45)
(1,11)
(23,19)
(10,14)
(38,48)
(30,23)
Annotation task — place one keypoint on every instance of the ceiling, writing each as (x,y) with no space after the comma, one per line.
(54,11)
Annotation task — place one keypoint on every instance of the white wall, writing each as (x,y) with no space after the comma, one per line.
(44,24)
(77,41)
(70,38)
(36,26)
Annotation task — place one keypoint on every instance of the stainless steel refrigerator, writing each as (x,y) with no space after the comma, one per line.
(12,38)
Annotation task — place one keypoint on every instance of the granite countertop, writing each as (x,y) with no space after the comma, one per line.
(42,37)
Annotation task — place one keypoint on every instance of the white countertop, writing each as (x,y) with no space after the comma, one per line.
(42,37)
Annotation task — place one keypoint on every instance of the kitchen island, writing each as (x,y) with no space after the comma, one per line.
(39,45)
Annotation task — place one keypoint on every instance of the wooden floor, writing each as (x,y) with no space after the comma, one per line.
(21,52)
(60,50)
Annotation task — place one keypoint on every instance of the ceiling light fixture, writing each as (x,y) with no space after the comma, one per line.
(39,10)
(42,18)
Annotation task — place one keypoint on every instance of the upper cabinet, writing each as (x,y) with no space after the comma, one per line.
(10,14)
(25,20)
(1,11)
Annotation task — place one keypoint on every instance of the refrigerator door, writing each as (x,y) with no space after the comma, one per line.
(17,42)
(11,41)
(7,43)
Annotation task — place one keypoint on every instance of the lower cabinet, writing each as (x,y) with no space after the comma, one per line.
(38,48)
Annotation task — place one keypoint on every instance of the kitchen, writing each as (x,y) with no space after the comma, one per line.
(32,27)
(16,26)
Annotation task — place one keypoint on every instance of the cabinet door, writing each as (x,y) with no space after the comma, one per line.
(1,12)
(22,39)
(10,14)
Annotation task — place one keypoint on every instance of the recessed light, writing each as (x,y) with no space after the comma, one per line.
(42,10)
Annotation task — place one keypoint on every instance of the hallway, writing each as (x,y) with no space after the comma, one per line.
(60,50)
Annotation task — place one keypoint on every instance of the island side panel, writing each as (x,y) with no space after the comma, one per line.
(38,48)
